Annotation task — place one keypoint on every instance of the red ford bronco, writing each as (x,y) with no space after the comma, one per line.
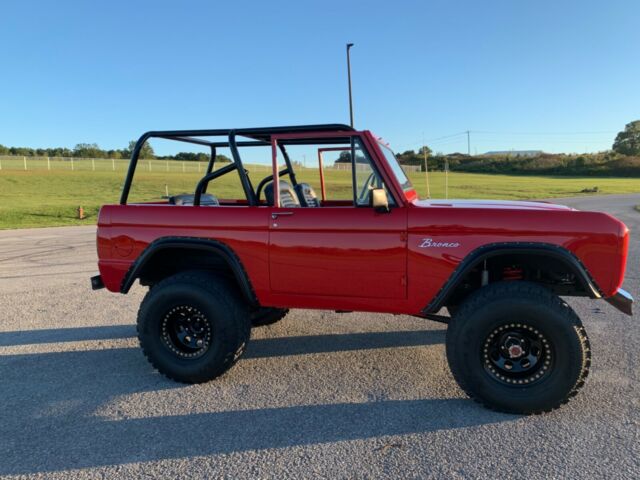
(218,266)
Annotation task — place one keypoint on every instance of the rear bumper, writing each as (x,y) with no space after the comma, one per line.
(622,300)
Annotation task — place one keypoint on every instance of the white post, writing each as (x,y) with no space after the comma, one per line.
(446,178)
(48,163)
(72,164)
(25,162)
(93,164)
(113,164)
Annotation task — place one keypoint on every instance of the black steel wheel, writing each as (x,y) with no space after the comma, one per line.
(193,326)
(530,365)
(186,331)
(517,354)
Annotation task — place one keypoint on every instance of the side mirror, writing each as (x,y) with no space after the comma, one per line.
(379,200)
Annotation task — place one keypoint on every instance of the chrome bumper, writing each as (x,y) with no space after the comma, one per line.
(622,301)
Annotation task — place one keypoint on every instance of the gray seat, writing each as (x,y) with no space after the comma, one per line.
(288,197)
(306,195)
(206,199)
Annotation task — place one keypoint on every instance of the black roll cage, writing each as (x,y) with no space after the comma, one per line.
(259,137)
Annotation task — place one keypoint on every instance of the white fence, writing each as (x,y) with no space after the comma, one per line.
(365,167)
(8,162)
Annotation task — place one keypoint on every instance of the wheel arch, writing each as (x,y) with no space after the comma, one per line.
(168,255)
(549,252)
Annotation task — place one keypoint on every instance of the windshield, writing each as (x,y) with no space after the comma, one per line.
(397,169)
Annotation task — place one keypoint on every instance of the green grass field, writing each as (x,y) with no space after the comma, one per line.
(50,198)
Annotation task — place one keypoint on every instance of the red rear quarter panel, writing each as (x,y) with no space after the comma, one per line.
(124,231)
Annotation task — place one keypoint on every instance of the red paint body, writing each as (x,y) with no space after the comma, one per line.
(340,257)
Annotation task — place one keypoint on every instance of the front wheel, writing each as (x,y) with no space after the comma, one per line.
(517,348)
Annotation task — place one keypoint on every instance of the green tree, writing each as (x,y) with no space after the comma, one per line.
(88,150)
(627,142)
(146,152)
(422,150)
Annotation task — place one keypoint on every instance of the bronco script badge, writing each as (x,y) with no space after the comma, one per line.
(429,243)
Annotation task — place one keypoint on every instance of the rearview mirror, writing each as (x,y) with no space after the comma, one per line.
(379,200)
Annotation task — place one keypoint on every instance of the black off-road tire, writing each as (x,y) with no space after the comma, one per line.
(268,316)
(223,321)
(452,309)
(528,315)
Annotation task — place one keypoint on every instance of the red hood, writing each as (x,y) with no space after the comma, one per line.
(501,204)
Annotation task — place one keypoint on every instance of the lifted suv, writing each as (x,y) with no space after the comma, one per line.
(216,267)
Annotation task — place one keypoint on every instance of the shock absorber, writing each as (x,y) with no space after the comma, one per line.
(484,278)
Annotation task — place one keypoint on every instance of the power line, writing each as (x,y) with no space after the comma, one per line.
(446,136)
(490,132)
(450,139)
(496,132)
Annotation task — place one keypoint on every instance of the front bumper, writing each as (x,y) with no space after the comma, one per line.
(622,300)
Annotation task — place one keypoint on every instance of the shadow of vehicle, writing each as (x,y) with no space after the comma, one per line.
(48,419)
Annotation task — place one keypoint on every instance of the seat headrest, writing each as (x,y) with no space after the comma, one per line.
(307,195)
(288,198)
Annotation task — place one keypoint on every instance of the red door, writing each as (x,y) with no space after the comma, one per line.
(338,251)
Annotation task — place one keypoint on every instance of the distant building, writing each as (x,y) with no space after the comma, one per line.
(514,153)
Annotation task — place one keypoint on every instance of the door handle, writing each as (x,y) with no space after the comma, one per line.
(275,215)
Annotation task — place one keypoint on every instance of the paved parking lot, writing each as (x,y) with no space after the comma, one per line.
(319,395)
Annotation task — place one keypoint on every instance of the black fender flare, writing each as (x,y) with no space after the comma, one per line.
(214,247)
(485,252)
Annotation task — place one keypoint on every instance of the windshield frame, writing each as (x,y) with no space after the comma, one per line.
(395,165)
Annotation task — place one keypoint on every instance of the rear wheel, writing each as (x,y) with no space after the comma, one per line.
(517,348)
(193,327)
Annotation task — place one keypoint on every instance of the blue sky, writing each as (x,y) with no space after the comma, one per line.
(551,75)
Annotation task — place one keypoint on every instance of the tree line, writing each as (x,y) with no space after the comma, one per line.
(92,150)
(597,164)
(622,160)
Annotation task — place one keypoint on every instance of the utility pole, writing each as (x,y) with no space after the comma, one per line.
(426,170)
(349,45)
(468,143)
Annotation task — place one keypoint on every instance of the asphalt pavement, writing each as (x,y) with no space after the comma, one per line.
(318,395)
